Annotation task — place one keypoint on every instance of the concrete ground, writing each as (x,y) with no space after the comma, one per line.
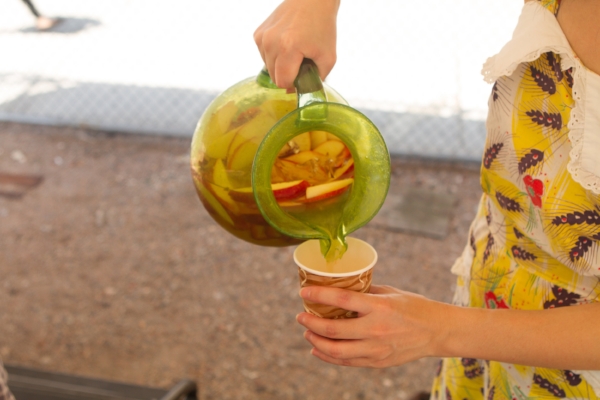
(111,268)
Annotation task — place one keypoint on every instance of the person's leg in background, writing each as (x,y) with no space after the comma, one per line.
(41,22)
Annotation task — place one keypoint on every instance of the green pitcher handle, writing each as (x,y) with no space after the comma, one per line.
(371,158)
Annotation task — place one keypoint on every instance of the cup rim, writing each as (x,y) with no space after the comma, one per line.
(341,274)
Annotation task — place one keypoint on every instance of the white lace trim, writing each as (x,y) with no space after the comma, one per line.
(538,32)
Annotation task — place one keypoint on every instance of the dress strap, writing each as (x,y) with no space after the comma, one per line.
(551,5)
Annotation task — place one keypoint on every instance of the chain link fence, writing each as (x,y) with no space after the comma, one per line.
(411,67)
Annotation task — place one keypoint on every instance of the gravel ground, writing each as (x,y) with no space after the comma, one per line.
(111,268)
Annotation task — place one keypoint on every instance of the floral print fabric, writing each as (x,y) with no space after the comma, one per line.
(534,243)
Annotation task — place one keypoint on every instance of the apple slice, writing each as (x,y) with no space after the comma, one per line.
(331,136)
(278,108)
(281,191)
(302,142)
(219,175)
(224,115)
(327,190)
(243,195)
(217,147)
(303,157)
(243,147)
(219,121)
(223,195)
(330,148)
(317,138)
(289,190)
(241,159)
(212,204)
(347,167)
(245,116)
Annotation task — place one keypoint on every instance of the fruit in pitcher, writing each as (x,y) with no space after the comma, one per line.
(327,190)
(289,190)
(345,169)
(297,145)
(304,157)
(219,175)
(281,191)
(330,148)
(317,137)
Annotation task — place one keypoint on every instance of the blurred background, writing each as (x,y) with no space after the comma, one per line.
(150,66)
(111,269)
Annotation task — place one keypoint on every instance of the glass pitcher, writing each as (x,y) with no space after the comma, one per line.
(276,168)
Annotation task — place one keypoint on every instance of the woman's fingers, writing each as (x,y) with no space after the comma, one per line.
(286,68)
(355,353)
(342,298)
(332,328)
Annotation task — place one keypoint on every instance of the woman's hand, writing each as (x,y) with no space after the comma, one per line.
(298,29)
(393,327)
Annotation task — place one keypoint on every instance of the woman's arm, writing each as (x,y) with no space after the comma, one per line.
(298,29)
(395,327)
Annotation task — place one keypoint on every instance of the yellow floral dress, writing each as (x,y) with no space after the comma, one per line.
(535,242)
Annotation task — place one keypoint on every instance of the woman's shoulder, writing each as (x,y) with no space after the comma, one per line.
(579,22)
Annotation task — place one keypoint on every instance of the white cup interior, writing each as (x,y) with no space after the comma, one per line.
(359,257)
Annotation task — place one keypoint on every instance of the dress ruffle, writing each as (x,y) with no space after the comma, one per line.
(538,32)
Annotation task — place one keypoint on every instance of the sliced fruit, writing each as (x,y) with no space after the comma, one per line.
(243,195)
(346,167)
(220,176)
(289,190)
(278,108)
(244,145)
(211,203)
(326,190)
(219,122)
(225,199)
(285,151)
(331,136)
(330,148)
(276,175)
(244,117)
(317,138)
(343,157)
(281,191)
(299,202)
(258,126)
(302,142)
(224,115)
(218,147)
(304,157)
(243,156)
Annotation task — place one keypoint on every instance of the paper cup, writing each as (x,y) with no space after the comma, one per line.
(353,272)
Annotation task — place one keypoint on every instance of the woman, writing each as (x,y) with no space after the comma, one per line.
(526,318)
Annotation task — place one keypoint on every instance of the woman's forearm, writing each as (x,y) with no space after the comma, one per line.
(561,338)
